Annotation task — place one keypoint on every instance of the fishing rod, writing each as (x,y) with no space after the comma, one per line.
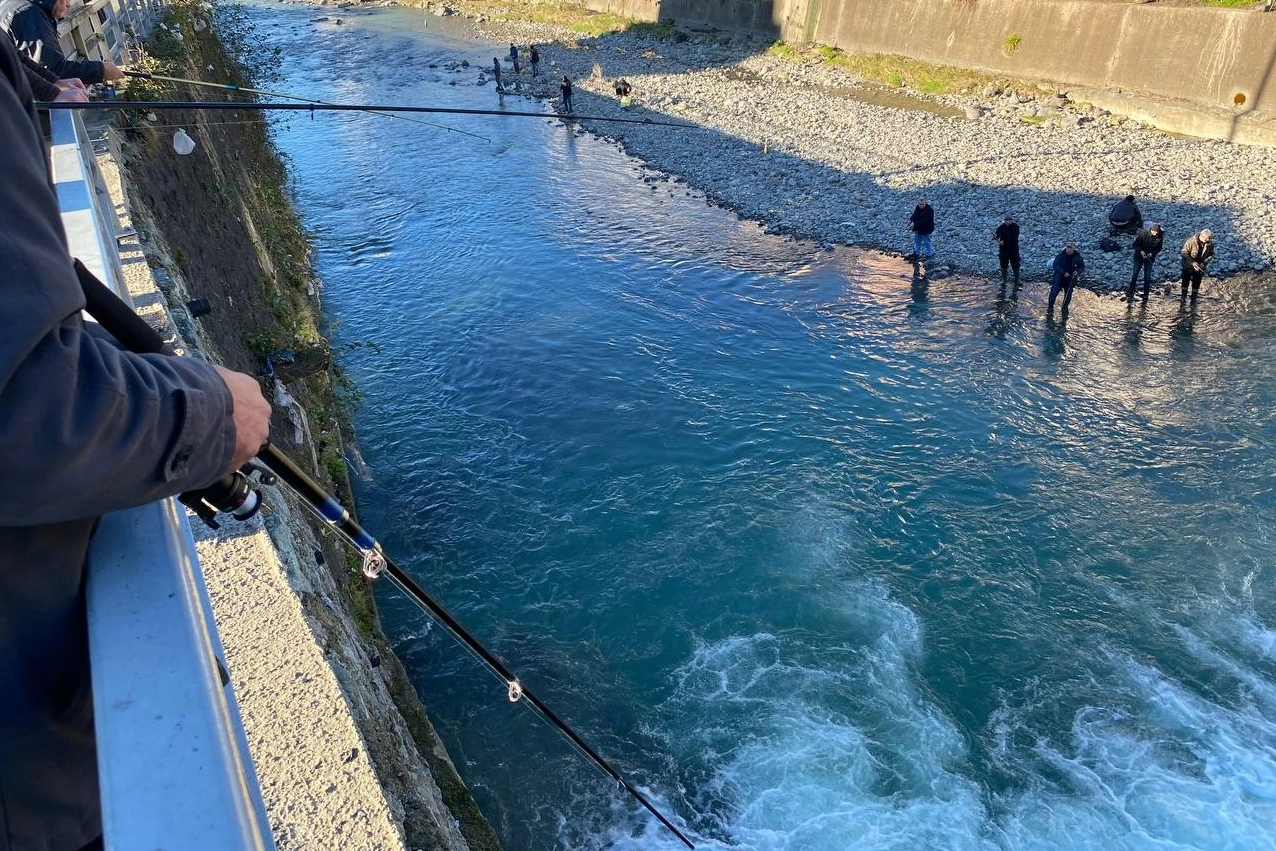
(234,87)
(345,107)
(235,494)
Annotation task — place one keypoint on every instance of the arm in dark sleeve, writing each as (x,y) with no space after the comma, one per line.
(85,428)
(43,82)
(37,35)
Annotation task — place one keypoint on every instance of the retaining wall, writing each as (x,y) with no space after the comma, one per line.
(1202,71)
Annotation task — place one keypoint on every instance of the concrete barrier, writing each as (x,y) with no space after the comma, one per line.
(1202,71)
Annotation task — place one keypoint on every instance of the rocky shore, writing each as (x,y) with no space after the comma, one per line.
(810,151)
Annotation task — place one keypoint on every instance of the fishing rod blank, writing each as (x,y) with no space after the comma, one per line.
(376,562)
(132,331)
(344,107)
(235,87)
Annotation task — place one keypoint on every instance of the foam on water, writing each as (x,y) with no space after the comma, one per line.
(853,753)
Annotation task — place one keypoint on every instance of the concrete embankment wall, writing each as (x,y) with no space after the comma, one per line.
(1201,71)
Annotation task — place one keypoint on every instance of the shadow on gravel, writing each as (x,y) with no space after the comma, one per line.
(797,196)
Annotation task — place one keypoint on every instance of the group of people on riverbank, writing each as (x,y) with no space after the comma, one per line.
(534,57)
(1068,266)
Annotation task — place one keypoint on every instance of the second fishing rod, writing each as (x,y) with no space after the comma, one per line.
(236,495)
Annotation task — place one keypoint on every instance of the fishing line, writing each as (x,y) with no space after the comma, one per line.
(342,107)
(233,87)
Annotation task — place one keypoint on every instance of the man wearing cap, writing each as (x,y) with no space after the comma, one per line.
(1146,246)
(1067,266)
(1007,236)
(1197,252)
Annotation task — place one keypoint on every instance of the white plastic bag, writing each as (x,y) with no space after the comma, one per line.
(182,143)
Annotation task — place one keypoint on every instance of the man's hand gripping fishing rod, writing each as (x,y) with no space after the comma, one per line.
(236,495)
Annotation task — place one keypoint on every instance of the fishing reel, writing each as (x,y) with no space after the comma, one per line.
(235,494)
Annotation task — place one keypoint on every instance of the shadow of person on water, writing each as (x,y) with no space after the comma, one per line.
(920,291)
(1054,344)
(1182,330)
(1004,311)
(1132,336)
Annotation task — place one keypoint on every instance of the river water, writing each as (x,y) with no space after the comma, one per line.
(819,556)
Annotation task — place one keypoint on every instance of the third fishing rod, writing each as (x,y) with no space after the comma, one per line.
(235,87)
(235,494)
(345,107)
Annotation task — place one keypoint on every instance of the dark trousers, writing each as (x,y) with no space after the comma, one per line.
(1008,256)
(1146,267)
(1066,283)
(1192,276)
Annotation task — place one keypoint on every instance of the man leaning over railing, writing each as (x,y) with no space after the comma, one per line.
(85,428)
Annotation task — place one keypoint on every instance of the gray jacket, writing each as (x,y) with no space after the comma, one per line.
(85,428)
(1195,251)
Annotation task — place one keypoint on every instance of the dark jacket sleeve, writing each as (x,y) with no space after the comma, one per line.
(37,35)
(85,428)
(43,82)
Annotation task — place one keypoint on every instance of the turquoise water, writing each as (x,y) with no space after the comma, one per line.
(820,557)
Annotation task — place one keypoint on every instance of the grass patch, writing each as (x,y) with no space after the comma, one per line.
(1033,119)
(573,16)
(783,50)
(1011,42)
(651,30)
(895,71)
(600,24)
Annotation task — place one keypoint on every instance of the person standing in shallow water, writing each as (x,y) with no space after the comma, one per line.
(1007,236)
(1067,266)
(922,223)
(496,72)
(1146,246)
(1196,254)
(566,88)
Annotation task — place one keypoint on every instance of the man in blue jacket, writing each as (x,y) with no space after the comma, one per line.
(33,25)
(1067,266)
(85,428)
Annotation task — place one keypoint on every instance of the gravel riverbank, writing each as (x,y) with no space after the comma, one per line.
(813,152)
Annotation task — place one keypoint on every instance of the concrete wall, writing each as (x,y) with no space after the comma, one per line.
(1218,65)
